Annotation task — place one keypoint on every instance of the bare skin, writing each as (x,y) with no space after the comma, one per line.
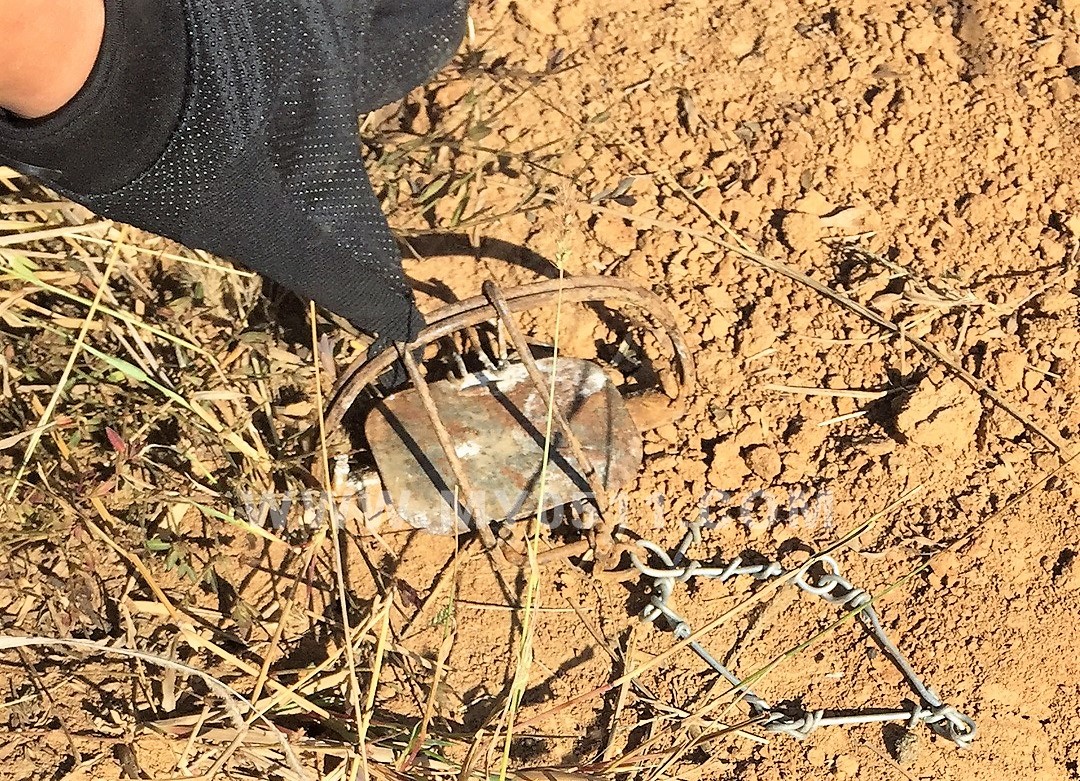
(50,47)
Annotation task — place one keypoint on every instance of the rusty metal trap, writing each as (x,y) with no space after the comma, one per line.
(477,448)
(510,433)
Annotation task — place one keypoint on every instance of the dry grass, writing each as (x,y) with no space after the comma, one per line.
(142,384)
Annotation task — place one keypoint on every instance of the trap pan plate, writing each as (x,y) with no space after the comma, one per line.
(497,421)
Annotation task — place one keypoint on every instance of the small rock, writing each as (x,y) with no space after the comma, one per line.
(716,328)
(742,44)
(749,435)
(817,757)
(1005,425)
(1053,251)
(719,299)
(668,433)
(540,18)
(849,218)
(1063,89)
(421,122)
(712,199)
(859,157)
(1055,302)
(615,234)
(814,203)
(757,335)
(847,766)
(764,462)
(744,209)
(801,232)
(941,416)
(664,464)
(1049,53)
(572,17)
(923,38)
(727,470)
(1017,205)
(887,303)
(1070,54)
(978,209)
(652,411)
(1046,462)
(1039,398)
(1010,369)
(453,92)
(1069,578)
(945,563)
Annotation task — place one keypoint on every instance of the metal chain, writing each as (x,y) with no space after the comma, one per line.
(820,577)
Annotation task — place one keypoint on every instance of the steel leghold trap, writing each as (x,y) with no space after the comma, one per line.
(516,436)
(516,433)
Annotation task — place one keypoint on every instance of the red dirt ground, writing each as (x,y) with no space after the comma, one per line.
(922,160)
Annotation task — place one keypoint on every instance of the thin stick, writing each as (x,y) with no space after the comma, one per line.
(841,418)
(282,693)
(620,702)
(230,696)
(21,270)
(845,393)
(286,608)
(778,266)
(76,351)
(335,535)
(134,561)
(368,712)
(53,233)
(491,290)
(520,683)
(464,484)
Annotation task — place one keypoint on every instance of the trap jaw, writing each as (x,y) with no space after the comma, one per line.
(519,435)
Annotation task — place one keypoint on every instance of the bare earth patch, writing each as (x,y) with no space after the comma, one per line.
(918,161)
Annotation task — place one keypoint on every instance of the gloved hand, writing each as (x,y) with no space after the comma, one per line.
(232,126)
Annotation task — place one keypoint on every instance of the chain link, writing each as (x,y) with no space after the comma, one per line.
(820,577)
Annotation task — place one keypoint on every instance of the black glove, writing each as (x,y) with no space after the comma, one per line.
(231,126)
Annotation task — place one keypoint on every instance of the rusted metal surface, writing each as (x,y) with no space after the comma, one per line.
(496,423)
(463,494)
(540,382)
(619,294)
(468,453)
